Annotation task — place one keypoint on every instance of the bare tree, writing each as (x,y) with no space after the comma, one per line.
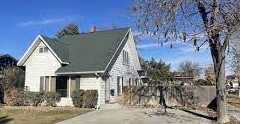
(190,68)
(210,75)
(196,21)
(70,29)
(13,77)
(234,56)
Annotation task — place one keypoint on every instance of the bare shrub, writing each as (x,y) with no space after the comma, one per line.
(33,98)
(51,98)
(14,97)
(85,99)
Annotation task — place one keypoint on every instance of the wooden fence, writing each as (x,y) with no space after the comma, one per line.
(191,96)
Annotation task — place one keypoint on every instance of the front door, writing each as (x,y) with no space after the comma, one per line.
(61,86)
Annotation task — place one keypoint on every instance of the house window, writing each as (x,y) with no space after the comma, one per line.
(125,57)
(47,83)
(41,83)
(43,49)
(136,82)
(44,83)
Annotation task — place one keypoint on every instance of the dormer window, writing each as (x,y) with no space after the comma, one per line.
(43,49)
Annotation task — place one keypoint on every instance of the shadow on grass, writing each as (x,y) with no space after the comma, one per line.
(200,115)
(5,119)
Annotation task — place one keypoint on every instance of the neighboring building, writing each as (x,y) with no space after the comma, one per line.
(99,60)
(183,78)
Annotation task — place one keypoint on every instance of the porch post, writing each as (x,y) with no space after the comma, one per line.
(69,86)
(49,84)
(101,93)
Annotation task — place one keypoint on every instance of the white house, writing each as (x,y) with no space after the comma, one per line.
(101,60)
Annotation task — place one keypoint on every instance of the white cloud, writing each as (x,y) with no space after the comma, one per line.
(151,45)
(181,47)
(46,21)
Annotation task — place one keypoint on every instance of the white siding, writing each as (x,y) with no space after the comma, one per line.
(39,64)
(89,83)
(93,83)
(125,71)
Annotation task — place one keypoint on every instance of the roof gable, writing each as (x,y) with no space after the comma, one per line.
(33,46)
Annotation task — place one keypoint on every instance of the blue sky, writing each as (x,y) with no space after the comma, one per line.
(22,21)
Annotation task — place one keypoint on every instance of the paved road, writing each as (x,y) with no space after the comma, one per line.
(115,114)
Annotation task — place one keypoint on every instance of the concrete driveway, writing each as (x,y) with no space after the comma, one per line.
(115,114)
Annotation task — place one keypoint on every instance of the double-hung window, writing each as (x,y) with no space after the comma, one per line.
(45,83)
(43,49)
(125,60)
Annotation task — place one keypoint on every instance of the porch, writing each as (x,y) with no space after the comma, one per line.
(63,85)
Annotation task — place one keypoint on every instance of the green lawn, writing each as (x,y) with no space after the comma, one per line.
(37,115)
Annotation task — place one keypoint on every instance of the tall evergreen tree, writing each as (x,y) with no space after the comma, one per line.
(157,70)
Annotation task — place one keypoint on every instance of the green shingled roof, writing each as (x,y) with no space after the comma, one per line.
(89,51)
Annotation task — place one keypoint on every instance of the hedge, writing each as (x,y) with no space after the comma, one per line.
(85,99)
(36,98)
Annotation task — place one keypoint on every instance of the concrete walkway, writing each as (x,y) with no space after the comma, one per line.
(115,114)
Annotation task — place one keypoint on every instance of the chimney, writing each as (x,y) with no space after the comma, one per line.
(93,29)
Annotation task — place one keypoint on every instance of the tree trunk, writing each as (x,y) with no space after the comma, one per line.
(162,98)
(219,69)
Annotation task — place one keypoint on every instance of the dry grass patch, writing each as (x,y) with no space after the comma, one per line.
(234,100)
(38,115)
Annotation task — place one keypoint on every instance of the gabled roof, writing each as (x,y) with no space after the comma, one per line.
(33,46)
(88,52)
(59,47)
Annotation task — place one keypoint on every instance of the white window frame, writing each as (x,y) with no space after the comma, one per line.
(44,83)
(125,58)
(43,49)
